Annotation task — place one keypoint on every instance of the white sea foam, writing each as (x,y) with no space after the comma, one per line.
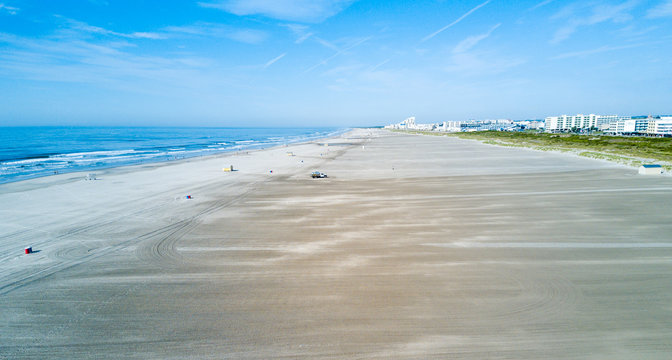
(96,153)
(66,146)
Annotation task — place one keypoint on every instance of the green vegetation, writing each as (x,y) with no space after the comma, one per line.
(632,151)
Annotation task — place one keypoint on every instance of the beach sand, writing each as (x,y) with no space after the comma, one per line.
(415,247)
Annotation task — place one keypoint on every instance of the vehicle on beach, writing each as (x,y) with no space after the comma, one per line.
(318,175)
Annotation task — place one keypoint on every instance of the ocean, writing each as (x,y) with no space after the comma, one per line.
(29,152)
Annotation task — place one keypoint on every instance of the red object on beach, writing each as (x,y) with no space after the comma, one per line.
(29,250)
(188,196)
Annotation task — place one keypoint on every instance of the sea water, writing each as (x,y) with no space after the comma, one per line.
(29,152)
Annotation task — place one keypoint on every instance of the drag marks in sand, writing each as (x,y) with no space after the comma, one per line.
(158,244)
(161,249)
(100,227)
(541,298)
(551,245)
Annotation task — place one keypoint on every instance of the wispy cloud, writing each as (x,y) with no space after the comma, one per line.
(82,27)
(214,30)
(344,71)
(297,29)
(470,64)
(81,60)
(302,32)
(339,52)
(380,64)
(326,43)
(77,52)
(579,15)
(272,61)
(293,10)
(599,50)
(467,62)
(11,10)
(359,77)
(663,9)
(303,38)
(454,22)
(634,33)
(249,36)
(541,4)
(471,41)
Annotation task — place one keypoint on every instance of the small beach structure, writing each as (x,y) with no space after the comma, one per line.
(650,169)
(28,250)
(90,176)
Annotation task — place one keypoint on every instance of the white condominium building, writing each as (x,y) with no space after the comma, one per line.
(614,124)
(604,121)
(580,121)
(568,122)
(622,126)
(662,126)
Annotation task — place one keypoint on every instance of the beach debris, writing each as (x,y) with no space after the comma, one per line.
(28,250)
(650,169)
(90,176)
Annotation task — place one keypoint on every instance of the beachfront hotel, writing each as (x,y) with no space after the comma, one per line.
(659,125)
(581,121)
(568,122)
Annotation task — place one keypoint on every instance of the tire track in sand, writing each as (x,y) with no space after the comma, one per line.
(162,250)
(162,244)
(540,298)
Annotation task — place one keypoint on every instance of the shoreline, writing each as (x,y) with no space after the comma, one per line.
(79,176)
(105,169)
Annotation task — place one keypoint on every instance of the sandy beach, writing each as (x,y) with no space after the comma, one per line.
(414,247)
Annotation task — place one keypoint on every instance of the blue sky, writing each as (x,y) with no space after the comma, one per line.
(329,62)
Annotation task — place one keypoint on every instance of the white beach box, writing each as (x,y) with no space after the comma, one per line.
(652,169)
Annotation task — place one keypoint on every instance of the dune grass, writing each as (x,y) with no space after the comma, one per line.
(632,151)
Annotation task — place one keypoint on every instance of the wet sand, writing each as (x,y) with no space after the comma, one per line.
(414,247)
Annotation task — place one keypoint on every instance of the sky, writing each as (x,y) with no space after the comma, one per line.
(329,62)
